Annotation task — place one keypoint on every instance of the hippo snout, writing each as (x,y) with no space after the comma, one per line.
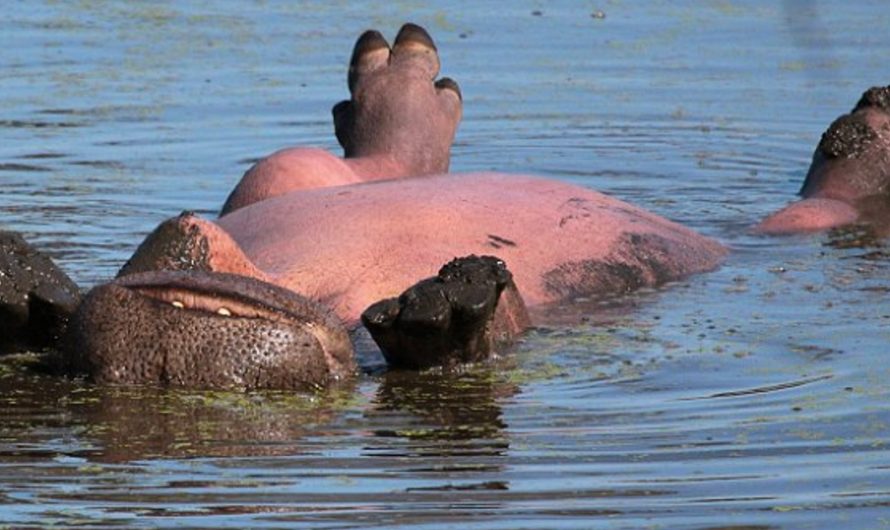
(209,330)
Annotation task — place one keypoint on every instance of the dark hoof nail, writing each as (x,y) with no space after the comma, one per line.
(412,34)
(446,83)
(371,51)
(369,42)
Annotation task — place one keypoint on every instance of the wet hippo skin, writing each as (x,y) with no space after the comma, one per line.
(373,230)
(36,297)
(206,330)
(849,178)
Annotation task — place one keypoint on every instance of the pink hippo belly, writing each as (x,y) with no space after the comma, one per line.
(349,247)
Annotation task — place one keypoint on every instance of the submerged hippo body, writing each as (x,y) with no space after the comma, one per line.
(849,178)
(340,234)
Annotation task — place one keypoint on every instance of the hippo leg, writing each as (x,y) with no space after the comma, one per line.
(399,122)
(397,109)
(808,215)
(462,315)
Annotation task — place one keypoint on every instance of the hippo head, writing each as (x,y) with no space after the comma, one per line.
(852,160)
(203,329)
(397,109)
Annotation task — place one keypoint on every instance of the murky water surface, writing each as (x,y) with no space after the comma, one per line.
(755,396)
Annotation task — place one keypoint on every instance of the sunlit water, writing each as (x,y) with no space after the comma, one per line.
(755,396)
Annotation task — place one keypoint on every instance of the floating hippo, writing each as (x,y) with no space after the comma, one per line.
(369,239)
(849,178)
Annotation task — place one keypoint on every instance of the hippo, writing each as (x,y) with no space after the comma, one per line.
(849,178)
(37,298)
(311,248)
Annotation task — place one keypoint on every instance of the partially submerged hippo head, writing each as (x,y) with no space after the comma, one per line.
(209,330)
(395,109)
(849,177)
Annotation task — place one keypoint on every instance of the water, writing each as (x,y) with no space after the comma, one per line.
(755,396)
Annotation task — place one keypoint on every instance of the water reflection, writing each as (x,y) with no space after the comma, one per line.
(53,416)
(441,413)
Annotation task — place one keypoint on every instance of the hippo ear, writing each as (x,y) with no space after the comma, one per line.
(343,124)
(414,44)
(371,53)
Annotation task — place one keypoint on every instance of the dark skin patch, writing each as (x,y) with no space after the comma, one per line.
(875,97)
(499,242)
(640,260)
(847,137)
(171,247)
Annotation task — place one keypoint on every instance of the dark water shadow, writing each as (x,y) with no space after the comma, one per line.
(439,413)
(125,424)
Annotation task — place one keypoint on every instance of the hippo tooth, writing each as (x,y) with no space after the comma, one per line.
(177,303)
(224,312)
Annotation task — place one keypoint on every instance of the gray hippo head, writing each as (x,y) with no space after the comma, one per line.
(200,329)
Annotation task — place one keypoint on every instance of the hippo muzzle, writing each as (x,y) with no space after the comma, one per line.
(209,330)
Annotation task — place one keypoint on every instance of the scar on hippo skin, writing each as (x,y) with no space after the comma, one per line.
(461,315)
(36,298)
(499,242)
(652,262)
(205,330)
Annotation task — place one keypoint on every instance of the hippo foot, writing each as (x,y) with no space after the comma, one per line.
(36,297)
(455,317)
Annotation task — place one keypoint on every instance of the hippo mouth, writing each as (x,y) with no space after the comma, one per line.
(203,329)
(225,295)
